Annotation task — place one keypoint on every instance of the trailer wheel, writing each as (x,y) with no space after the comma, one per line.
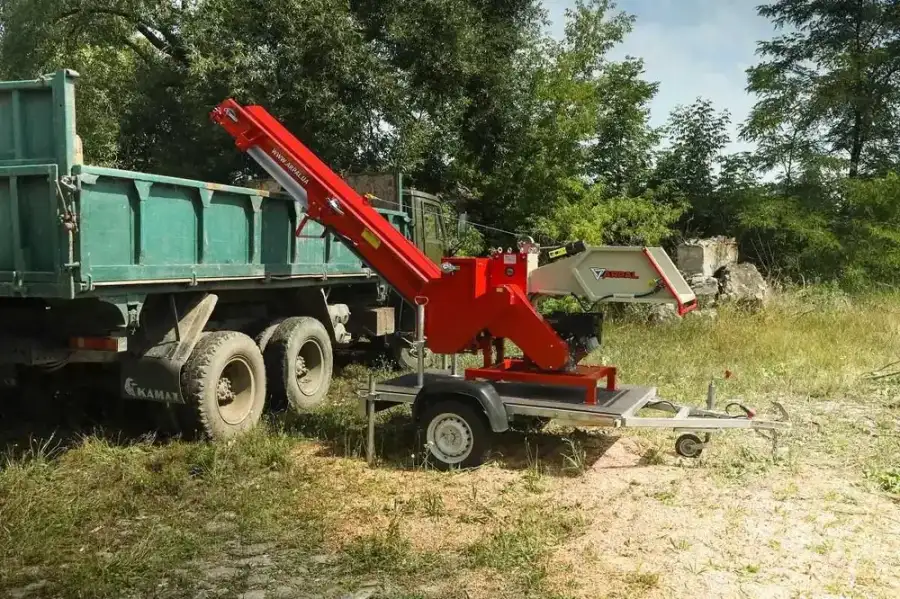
(456,434)
(300,363)
(689,446)
(224,380)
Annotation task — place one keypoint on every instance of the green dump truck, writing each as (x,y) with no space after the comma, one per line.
(172,290)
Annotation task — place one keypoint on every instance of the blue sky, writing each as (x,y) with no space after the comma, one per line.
(692,48)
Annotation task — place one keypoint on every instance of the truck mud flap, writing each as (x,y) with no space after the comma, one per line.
(170,329)
(8,377)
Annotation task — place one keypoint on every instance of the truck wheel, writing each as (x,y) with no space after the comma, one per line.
(456,434)
(224,380)
(262,339)
(300,362)
(406,354)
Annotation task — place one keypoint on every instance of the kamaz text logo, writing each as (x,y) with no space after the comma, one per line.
(294,169)
(133,391)
(603,273)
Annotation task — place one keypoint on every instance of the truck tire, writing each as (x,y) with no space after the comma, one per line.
(456,434)
(262,339)
(224,381)
(300,362)
(405,355)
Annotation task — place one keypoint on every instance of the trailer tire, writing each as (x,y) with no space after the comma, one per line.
(300,363)
(689,445)
(224,381)
(456,434)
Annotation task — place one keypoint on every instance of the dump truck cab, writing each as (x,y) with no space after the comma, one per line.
(428,217)
(427,221)
(427,224)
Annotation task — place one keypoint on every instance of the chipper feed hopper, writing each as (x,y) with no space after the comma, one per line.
(477,304)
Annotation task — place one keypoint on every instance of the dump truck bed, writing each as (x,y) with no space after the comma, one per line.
(68,230)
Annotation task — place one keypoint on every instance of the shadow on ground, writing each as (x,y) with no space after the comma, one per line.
(400,445)
(43,416)
(55,421)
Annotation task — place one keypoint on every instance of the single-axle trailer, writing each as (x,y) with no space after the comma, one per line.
(458,417)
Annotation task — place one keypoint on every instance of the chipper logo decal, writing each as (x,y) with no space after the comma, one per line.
(603,273)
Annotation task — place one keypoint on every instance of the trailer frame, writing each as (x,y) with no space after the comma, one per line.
(617,407)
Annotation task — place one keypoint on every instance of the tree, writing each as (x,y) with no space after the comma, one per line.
(830,85)
(580,137)
(686,170)
(414,85)
(871,233)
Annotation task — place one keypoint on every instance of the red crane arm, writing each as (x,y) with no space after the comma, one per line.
(327,198)
(475,301)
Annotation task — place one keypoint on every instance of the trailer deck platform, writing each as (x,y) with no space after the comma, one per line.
(619,409)
(533,400)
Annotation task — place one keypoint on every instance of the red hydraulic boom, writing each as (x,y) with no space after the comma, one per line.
(472,303)
(326,198)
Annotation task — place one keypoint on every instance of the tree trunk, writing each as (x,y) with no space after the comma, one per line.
(856,146)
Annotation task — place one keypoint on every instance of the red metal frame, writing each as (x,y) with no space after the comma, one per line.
(515,370)
(331,201)
(682,307)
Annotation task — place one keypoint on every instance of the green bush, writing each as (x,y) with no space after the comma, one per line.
(870,232)
(598,219)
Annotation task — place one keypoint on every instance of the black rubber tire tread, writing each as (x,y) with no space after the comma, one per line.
(400,353)
(201,373)
(478,423)
(688,438)
(280,357)
(265,335)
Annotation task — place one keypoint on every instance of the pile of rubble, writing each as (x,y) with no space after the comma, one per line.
(711,268)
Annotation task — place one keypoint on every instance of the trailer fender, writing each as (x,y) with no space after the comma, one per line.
(481,392)
(171,326)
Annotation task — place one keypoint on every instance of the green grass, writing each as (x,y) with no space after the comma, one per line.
(387,552)
(97,518)
(520,547)
(100,516)
(812,343)
(821,353)
(888,480)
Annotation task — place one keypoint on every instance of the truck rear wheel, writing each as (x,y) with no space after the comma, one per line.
(300,363)
(224,381)
(263,337)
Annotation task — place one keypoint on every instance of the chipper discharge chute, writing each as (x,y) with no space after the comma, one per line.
(478,304)
(615,274)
